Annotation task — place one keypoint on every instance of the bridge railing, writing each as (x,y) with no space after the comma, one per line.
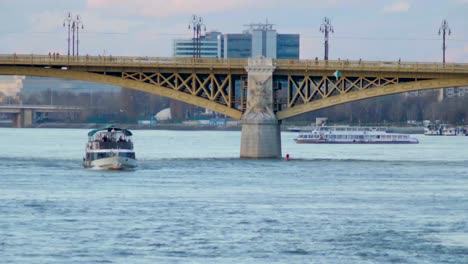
(143,61)
(140,61)
(370,65)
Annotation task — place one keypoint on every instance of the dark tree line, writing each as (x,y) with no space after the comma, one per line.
(395,109)
(128,105)
(123,106)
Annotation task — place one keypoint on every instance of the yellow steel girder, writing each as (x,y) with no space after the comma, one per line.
(391,87)
(306,92)
(214,87)
(208,99)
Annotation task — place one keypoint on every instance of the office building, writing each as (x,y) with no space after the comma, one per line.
(257,40)
(443,93)
(209,45)
(455,92)
(261,40)
(288,46)
(236,46)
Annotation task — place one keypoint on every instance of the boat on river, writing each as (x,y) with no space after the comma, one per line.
(110,148)
(353,135)
(444,130)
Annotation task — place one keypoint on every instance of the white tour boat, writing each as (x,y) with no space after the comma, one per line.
(444,130)
(352,135)
(110,148)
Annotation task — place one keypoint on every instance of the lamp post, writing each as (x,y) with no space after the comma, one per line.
(73,38)
(444,30)
(197,25)
(67,23)
(326,28)
(78,22)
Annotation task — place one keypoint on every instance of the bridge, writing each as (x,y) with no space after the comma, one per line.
(260,91)
(26,115)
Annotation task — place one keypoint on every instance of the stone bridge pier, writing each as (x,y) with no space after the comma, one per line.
(24,118)
(261,134)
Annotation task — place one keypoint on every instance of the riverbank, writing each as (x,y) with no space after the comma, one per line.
(184,127)
(177,127)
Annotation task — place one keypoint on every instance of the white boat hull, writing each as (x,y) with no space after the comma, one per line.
(353,135)
(112,163)
(316,141)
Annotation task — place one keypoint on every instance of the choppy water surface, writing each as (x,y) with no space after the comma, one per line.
(193,201)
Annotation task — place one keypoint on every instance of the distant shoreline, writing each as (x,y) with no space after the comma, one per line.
(182,127)
(175,127)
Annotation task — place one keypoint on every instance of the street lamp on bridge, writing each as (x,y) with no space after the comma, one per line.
(67,23)
(326,28)
(73,24)
(443,30)
(78,22)
(197,25)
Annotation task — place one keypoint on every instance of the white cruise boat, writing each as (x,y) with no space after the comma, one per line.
(444,130)
(352,135)
(110,148)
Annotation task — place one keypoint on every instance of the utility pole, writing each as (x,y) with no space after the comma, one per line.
(67,23)
(444,30)
(326,28)
(73,38)
(78,22)
(197,25)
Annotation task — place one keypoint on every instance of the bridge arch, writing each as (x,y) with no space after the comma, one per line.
(370,93)
(124,83)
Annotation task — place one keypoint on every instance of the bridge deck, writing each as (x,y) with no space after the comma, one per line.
(220,84)
(228,64)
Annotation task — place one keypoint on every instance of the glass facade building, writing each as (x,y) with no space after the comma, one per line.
(237,46)
(288,46)
(209,46)
(259,40)
(264,43)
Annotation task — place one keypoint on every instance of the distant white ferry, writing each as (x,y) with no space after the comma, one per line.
(444,130)
(352,135)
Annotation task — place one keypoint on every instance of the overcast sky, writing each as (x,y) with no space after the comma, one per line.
(367,29)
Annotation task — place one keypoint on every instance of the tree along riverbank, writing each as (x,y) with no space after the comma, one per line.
(182,127)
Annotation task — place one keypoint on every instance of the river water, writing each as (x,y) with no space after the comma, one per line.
(192,200)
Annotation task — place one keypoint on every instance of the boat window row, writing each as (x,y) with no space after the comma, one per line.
(354,137)
(362,137)
(309,136)
(381,129)
(110,137)
(95,156)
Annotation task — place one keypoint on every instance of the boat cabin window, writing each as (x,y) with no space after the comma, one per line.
(113,136)
(103,155)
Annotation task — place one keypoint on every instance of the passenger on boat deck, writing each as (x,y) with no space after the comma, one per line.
(121,139)
(104,138)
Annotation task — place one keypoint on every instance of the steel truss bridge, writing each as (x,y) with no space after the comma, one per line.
(220,85)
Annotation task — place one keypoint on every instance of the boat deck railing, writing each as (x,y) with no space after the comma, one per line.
(115,145)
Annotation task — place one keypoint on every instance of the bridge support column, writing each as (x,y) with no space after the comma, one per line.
(23,119)
(16,118)
(27,117)
(261,135)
